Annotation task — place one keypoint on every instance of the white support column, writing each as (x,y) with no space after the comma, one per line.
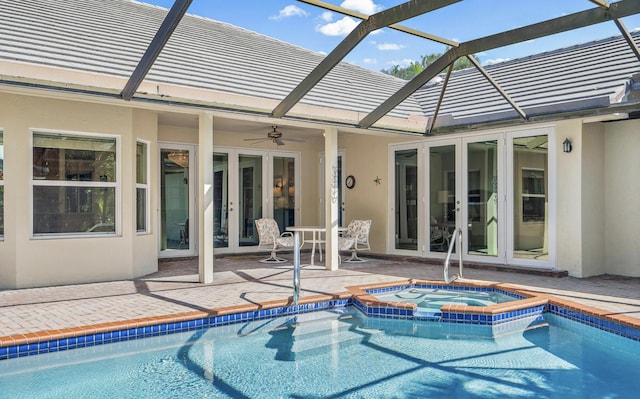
(331,184)
(205,198)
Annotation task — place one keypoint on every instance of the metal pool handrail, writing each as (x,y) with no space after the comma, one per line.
(457,232)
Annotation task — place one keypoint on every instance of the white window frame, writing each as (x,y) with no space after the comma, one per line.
(530,195)
(60,183)
(146,186)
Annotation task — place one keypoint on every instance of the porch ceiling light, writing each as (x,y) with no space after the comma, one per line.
(566,145)
(180,158)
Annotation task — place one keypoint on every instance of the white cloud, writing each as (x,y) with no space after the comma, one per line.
(389,46)
(496,61)
(327,16)
(341,27)
(289,11)
(370,61)
(364,6)
(403,63)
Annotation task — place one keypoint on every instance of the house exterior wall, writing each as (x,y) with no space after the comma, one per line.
(596,226)
(569,198)
(622,197)
(145,246)
(593,200)
(367,159)
(31,262)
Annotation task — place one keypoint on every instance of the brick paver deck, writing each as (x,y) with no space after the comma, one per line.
(242,280)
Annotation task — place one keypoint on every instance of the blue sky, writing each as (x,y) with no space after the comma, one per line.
(320,30)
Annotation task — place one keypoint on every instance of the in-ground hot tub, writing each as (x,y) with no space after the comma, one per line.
(472,302)
(434,298)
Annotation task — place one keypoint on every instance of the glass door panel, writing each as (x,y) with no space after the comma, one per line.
(249,198)
(175,199)
(443,203)
(482,197)
(284,191)
(220,200)
(530,197)
(406,199)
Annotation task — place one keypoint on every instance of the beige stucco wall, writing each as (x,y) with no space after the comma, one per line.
(28,262)
(366,158)
(145,246)
(568,198)
(622,197)
(173,134)
(593,197)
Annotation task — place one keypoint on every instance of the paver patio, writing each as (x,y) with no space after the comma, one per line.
(242,280)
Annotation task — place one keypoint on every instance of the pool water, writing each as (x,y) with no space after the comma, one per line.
(340,354)
(433,299)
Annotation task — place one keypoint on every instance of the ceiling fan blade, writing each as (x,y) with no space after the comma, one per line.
(257,141)
(279,141)
(294,139)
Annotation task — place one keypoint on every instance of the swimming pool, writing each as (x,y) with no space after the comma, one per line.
(340,353)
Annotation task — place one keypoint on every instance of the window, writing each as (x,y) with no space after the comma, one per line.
(1,185)
(533,195)
(142,187)
(75,184)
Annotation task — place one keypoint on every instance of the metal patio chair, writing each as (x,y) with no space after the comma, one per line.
(269,236)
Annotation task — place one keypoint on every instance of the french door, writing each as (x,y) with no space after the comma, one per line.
(495,188)
(177,200)
(248,185)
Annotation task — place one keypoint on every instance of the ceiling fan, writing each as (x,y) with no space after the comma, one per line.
(275,137)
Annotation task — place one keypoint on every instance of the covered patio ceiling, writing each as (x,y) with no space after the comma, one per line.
(602,11)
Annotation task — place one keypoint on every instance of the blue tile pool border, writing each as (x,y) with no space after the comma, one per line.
(611,326)
(62,344)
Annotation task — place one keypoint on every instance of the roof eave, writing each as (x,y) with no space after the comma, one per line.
(611,112)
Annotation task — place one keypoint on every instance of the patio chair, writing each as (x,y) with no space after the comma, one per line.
(358,231)
(345,244)
(269,236)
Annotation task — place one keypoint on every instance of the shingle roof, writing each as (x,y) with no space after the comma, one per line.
(588,75)
(109,37)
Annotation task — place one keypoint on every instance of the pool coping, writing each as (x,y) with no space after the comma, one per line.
(46,341)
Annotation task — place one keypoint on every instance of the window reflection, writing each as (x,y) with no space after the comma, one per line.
(74,188)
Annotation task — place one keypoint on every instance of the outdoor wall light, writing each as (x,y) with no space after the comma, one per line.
(566,146)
